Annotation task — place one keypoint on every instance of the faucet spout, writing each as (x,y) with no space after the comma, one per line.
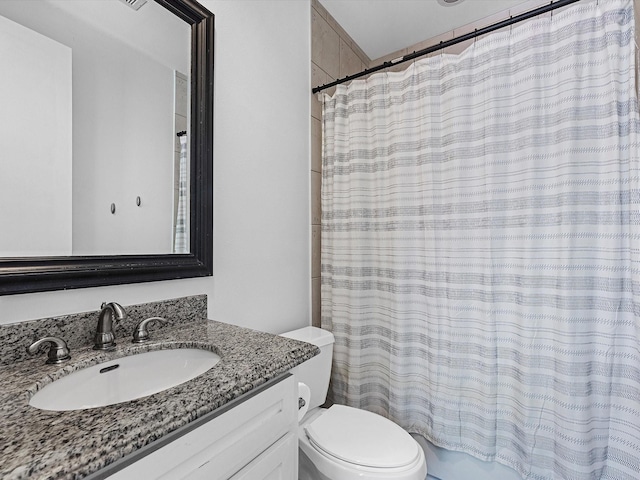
(104,338)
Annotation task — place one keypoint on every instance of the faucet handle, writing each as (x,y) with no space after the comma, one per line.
(58,350)
(140,333)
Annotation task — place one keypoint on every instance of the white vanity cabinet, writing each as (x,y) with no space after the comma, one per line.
(254,439)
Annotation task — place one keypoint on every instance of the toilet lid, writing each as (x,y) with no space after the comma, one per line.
(362,438)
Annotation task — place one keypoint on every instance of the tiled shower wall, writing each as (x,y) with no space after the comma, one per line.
(333,55)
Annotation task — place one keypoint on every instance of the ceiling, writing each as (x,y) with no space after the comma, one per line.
(381,27)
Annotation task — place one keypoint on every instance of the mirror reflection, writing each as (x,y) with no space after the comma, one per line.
(92,161)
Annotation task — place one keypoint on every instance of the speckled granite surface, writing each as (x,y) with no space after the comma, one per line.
(39,444)
(78,329)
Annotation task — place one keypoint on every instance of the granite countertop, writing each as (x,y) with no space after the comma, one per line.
(40,444)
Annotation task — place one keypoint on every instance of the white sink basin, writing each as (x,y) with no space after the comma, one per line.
(124,379)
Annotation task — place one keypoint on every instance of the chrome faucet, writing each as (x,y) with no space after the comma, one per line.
(58,351)
(104,338)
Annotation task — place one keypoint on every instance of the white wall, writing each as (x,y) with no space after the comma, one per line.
(261,180)
(36,103)
(123,148)
(261,164)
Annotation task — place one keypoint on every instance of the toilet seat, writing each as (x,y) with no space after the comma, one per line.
(362,438)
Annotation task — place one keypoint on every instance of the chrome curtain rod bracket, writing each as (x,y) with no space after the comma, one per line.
(442,45)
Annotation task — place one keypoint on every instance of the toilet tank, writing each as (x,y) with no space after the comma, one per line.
(316,371)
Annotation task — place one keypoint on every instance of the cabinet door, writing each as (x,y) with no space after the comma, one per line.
(279,462)
(226,444)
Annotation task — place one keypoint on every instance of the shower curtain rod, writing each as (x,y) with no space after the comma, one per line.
(462,38)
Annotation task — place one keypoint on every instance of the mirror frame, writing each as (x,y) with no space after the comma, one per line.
(40,274)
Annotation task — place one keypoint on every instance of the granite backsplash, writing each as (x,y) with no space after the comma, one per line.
(78,329)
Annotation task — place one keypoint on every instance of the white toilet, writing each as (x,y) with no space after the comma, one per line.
(345,443)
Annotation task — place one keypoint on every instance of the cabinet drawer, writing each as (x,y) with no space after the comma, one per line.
(221,447)
(279,462)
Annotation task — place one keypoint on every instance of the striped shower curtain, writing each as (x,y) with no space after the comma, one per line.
(181,229)
(480,242)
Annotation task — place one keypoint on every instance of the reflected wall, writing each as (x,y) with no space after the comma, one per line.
(124,69)
(35,176)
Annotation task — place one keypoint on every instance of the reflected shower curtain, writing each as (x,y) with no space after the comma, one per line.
(480,244)
(181,237)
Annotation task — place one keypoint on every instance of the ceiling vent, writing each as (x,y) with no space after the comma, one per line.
(136,4)
(449,3)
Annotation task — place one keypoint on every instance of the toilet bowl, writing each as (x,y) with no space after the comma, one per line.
(345,443)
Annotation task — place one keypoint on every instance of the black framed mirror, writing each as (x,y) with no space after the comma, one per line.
(38,274)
